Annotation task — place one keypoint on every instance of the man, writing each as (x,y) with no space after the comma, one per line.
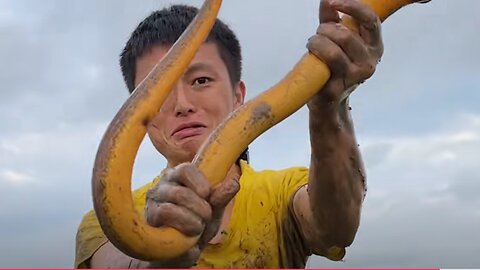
(267,219)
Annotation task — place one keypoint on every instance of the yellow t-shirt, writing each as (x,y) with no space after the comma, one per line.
(262,232)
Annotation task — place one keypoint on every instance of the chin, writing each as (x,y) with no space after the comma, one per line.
(186,149)
(191,147)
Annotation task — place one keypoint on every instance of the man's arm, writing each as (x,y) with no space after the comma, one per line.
(328,209)
(107,256)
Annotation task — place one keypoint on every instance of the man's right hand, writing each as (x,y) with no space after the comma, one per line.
(184,200)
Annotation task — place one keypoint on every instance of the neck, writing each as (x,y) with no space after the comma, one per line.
(233,173)
(175,162)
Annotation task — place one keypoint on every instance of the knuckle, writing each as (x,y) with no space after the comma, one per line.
(344,35)
(190,225)
(232,188)
(196,180)
(196,226)
(153,194)
(336,61)
(167,175)
(326,29)
(175,193)
(160,192)
(314,45)
(311,42)
(369,14)
(203,190)
(206,211)
(366,71)
(357,72)
(154,214)
(177,174)
(371,18)
(322,29)
(370,68)
(148,210)
(379,51)
(164,210)
(373,23)
(334,55)
(185,168)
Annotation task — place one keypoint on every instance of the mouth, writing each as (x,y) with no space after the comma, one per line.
(188,130)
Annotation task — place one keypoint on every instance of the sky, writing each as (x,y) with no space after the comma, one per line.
(417,122)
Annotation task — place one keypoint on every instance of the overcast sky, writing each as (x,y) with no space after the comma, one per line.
(417,121)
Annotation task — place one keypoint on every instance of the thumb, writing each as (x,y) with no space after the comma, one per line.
(219,199)
(223,194)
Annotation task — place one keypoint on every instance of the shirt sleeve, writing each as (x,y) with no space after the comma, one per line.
(293,241)
(89,239)
(90,236)
(293,251)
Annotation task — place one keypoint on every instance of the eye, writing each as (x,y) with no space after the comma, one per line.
(201,81)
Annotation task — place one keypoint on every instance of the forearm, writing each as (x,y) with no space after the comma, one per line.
(108,256)
(337,178)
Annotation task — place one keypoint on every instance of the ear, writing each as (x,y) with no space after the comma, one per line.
(240,92)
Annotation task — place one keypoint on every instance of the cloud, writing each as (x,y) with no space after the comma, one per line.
(423,190)
(45,191)
(417,122)
(14,177)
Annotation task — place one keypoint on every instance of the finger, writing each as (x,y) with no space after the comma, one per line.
(368,21)
(190,258)
(223,194)
(351,43)
(220,198)
(210,231)
(328,12)
(170,215)
(181,196)
(330,53)
(188,175)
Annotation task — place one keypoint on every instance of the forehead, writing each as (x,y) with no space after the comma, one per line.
(208,55)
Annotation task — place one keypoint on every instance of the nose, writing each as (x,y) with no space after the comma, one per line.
(181,102)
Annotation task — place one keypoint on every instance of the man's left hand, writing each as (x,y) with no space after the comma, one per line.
(352,57)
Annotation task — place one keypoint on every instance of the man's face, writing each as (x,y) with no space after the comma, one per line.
(202,98)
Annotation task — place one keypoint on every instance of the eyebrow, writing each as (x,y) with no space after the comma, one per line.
(200,67)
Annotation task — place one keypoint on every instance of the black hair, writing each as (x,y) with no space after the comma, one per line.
(164,27)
